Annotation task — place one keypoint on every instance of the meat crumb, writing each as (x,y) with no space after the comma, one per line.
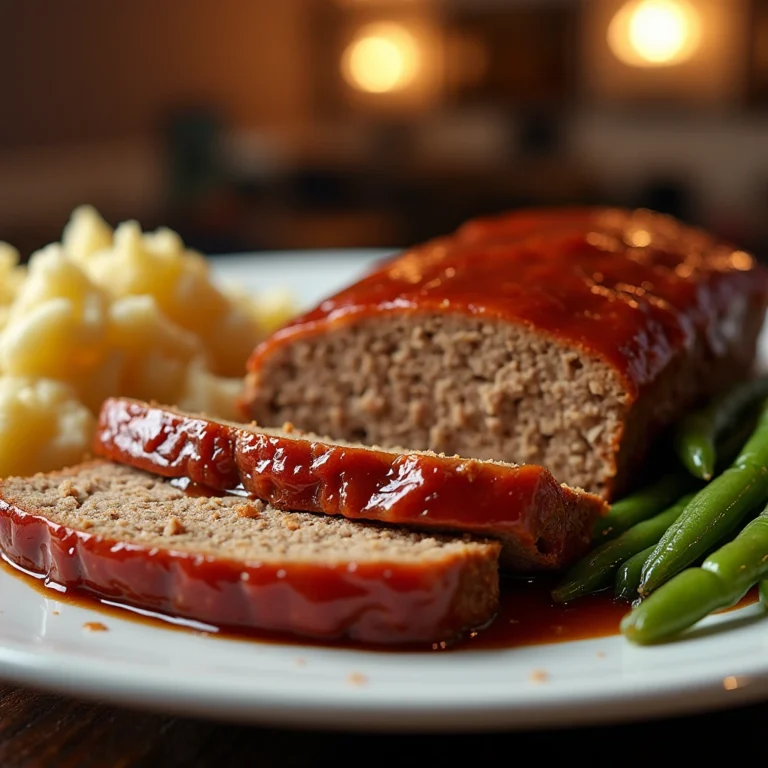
(248,510)
(291,524)
(173,527)
(95,626)
(600,654)
(67,488)
(357,678)
(300,662)
(539,676)
(55,613)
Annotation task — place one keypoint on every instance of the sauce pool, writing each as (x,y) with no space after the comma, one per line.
(527,616)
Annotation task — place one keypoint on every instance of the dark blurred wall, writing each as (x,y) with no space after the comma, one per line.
(88,89)
(74,71)
(233,121)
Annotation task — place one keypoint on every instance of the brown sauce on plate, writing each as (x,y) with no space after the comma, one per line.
(526,617)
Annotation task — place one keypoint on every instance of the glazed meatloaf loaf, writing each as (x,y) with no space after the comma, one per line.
(125,535)
(567,338)
(541,524)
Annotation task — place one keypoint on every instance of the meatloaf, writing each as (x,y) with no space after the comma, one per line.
(128,536)
(568,338)
(542,525)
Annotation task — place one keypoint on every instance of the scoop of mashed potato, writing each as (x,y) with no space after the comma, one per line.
(43,425)
(115,312)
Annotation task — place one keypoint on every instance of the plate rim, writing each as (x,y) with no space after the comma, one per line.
(100,681)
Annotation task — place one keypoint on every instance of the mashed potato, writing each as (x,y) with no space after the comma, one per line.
(43,425)
(120,312)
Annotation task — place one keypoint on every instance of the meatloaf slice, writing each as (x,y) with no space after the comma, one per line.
(568,338)
(541,524)
(125,535)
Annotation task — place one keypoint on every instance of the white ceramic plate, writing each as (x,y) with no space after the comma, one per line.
(43,643)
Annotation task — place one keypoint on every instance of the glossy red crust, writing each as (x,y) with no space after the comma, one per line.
(371,603)
(542,524)
(633,288)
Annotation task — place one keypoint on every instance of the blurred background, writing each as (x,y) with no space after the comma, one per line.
(273,124)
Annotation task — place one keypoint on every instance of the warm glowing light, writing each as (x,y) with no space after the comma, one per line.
(383,57)
(640,238)
(655,32)
(741,260)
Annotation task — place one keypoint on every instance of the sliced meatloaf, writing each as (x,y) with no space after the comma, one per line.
(125,535)
(567,338)
(542,525)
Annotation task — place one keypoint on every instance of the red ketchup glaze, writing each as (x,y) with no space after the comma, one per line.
(632,288)
(368,603)
(522,504)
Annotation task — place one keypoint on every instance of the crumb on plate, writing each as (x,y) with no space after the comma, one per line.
(357,678)
(539,676)
(95,626)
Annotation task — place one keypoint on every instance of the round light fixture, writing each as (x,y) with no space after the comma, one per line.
(647,33)
(382,57)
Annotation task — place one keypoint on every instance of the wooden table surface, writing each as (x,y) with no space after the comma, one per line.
(37,729)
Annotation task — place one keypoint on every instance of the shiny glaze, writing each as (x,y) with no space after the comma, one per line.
(543,524)
(370,602)
(632,288)
(526,617)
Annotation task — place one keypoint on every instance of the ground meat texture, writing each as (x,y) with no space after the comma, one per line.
(451,384)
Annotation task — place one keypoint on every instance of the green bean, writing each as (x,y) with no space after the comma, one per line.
(697,434)
(628,575)
(715,511)
(642,504)
(721,581)
(597,569)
